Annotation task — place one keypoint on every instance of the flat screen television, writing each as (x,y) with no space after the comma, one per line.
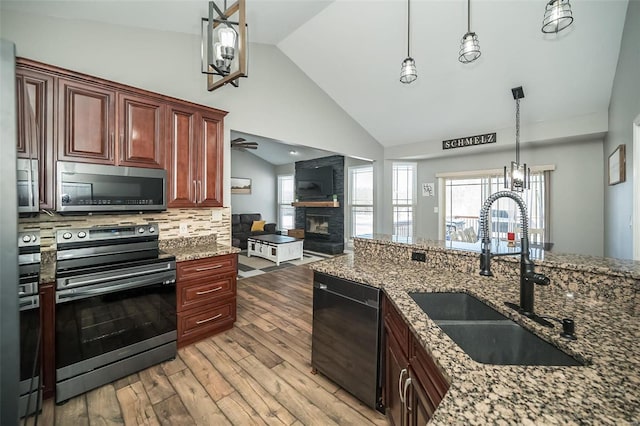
(314,183)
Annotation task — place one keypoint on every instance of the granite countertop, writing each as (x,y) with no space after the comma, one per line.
(200,251)
(605,391)
(188,248)
(578,262)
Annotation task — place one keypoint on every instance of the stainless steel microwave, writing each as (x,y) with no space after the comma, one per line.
(28,196)
(95,188)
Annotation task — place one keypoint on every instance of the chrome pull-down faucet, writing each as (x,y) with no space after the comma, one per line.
(528,275)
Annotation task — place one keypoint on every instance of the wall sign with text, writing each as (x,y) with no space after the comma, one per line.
(469,141)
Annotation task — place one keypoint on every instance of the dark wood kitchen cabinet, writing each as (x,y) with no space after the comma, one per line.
(86,122)
(414,386)
(35,97)
(206,297)
(68,116)
(141,131)
(194,156)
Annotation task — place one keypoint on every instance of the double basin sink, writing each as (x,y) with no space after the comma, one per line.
(486,335)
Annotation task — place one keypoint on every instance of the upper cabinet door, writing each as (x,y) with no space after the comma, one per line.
(35,93)
(210,160)
(141,131)
(180,155)
(86,123)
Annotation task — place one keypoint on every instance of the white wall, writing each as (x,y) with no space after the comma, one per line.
(623,110)
(576,190)
(263,197)
(276,101)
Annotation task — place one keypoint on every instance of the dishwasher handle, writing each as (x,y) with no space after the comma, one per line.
(323,287)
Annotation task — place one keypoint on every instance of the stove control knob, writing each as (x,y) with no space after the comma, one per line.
(82,234)
(152,229)
(141,230)
(66,235)
(26,238)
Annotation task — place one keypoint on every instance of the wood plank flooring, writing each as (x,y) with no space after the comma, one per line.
(257,373)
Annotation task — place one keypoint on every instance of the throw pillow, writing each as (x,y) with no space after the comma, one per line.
(258,225)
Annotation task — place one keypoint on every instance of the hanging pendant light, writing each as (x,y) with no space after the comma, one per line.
(557,16)
(517,177)
(470,47)
(408,72)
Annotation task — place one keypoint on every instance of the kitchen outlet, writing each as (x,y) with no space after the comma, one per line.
(418,256)
(216,215)
(184,229)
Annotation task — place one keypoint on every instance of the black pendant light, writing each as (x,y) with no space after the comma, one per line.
(469,47)
(518,176)
(408,72)
(557,16)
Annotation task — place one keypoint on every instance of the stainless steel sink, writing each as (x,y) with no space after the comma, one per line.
(486,335)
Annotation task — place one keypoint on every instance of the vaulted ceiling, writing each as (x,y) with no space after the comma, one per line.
(353,50)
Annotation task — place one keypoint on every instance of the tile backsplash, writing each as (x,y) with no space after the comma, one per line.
(199,222)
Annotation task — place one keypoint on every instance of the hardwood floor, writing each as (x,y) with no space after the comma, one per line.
(254,374)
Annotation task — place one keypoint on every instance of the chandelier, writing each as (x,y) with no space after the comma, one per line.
(223,51)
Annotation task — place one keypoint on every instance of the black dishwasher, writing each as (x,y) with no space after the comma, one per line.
(346,336)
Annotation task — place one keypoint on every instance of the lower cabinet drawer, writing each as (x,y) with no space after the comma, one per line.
(203,322)
(206,291)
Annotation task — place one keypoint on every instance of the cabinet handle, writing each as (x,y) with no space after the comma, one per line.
(208,319)
(404,393)
(200,293)
(208,268)
(404,370)
(195,192)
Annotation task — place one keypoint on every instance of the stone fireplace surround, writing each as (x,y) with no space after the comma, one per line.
(333,242)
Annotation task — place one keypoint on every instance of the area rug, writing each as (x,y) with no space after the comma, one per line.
(252,266)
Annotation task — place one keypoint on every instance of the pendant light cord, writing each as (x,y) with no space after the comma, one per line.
(518,131)
(408,28)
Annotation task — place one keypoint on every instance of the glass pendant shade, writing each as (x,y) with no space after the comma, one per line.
(516,178)
(408,72)
(469,48)
(557,16)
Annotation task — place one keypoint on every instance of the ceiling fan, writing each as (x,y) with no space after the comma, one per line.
(243,144)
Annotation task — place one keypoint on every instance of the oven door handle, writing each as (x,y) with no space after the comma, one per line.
(106,277)
(72,294)
(29,302)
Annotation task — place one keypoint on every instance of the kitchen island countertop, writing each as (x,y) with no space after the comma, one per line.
(605,391)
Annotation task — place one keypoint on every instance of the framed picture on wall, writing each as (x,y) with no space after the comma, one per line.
(240,185)
(617,166)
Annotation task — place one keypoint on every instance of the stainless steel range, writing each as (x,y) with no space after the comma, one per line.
(115,305)
(29,302)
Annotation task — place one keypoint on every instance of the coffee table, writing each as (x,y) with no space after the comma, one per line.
(276,248)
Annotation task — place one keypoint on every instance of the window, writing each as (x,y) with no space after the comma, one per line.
(286,212)
(465,195)
(361,200)
(404,198)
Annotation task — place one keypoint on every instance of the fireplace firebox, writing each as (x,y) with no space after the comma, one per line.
(317,225)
